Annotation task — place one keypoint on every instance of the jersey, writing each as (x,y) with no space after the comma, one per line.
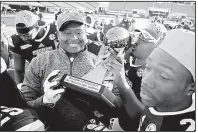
(10,95)
(184,120)
(31,49)
(16,119)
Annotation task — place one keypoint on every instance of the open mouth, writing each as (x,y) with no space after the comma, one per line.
(73,45)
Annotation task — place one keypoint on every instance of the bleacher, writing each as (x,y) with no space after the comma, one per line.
(186,7)
(116,6)
(137,5)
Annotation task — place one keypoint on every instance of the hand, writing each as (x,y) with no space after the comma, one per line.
(117,67)
(52,96)
(104,52)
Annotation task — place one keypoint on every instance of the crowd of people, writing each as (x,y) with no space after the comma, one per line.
(150,70)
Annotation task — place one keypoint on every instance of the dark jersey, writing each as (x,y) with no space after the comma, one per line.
(93,47)
(134,74)
(184,120)
(31,49)
(125,25)
(41,23)
(13,119)
(10,95)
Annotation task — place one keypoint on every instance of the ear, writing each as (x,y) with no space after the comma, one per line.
(191,89)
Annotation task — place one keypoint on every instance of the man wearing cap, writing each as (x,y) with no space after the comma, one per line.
(29,41)
(145,41)
(167,87)
(73,58)
(14,112)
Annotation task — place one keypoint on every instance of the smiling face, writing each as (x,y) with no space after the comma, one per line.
(165,82)
(73,38)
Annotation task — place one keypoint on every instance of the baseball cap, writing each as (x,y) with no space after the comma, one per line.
(152,32)
(70,16)
(180,44)
(25,21)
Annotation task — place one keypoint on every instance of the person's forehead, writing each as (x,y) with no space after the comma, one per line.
(161,57)
(166,61)
(74,25)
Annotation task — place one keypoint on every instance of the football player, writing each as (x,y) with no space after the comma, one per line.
(29,41)
(167,87)
(14,115)
(146,40)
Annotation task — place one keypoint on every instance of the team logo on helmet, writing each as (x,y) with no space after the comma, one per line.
(52,37)
(151,127)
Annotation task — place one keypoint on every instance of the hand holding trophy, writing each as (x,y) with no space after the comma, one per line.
(116,41)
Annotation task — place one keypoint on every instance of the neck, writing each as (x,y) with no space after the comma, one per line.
(186,103)
(72,55)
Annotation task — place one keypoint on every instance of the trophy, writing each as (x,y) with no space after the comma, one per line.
(116,42)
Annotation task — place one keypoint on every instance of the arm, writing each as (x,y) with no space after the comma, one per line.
(133,108)
(19,65)
(31,87)
(34,90)
(19,62)
(131,103)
